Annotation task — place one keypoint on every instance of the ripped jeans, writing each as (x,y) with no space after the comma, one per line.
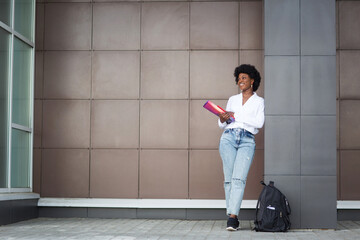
(237,147)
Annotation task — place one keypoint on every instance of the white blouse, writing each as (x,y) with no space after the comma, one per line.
(249,116)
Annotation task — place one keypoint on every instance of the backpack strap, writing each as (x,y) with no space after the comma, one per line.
(258,202)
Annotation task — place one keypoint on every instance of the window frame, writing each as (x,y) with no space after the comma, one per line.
(10,125)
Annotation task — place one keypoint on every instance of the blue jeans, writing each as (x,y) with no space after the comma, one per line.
(237,147)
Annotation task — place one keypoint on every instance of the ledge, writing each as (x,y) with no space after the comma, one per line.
(139,203)
(18,196)
(348,204)
(159,203)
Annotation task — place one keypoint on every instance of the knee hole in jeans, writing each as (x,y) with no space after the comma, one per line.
(238,181)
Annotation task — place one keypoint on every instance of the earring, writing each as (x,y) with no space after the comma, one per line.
(251,85)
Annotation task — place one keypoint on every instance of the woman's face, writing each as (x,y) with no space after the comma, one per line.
(245,83)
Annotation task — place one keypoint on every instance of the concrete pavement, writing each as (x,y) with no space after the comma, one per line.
(136,229)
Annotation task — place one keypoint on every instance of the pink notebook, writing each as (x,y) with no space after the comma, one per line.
(215,109)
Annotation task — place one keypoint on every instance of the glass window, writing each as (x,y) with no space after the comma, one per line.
(20,158)
(24,18)
(4,78)
(5,11)
(17,21)
(21,83)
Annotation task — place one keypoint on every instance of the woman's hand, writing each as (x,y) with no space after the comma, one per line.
(225,116)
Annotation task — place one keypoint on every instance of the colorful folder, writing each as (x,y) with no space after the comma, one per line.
(215,109)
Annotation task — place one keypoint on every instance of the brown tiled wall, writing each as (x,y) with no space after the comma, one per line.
(119,92)
(348,59)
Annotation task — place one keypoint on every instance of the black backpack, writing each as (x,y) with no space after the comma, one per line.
(272,210)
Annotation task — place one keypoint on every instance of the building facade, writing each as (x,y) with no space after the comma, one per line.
(119,126)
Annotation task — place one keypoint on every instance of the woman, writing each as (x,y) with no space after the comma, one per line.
(237,143)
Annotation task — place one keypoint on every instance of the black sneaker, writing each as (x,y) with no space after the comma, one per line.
(232,224)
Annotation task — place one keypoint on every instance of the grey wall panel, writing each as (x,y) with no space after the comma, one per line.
(318,27)
(5,212)
(318,145)
(206,214)
(62,212)
(283,78)
(111,213)
(290,187)
(161,213)
(318,202)
(282,151)
(24,209)
(318,85)
(282,27)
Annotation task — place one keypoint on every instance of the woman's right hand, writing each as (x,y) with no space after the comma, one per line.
(225,116)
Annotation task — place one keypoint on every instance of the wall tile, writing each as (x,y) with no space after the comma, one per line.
(282,131)
(256,58)
(63,212)
(6,208)
(318,85)
(208,32)
(338,175)
(112,213)
(213,214)
(337,25)
(349,124)
(39,26)
(349,74)
(165,75)
(283,79)
(204,129)
(318,29)
(206,178)
(155,213)
(165,25)
(171,117)
(115,124)
(256,174)
(211,74)
(114,173)
(337,74)
(290,186)
(318,145)
(349,21)
(36,168)
(349,174)
(337,124)
(282,27)
(116,26)
(39,75)
(116,75)
(65,173)
(166,0)
(116,0)
(66,1)
(66,124)
(68,26)
(260,139)
(163,174)
(67,74)
(251,25)
(318,205)
(37,133)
